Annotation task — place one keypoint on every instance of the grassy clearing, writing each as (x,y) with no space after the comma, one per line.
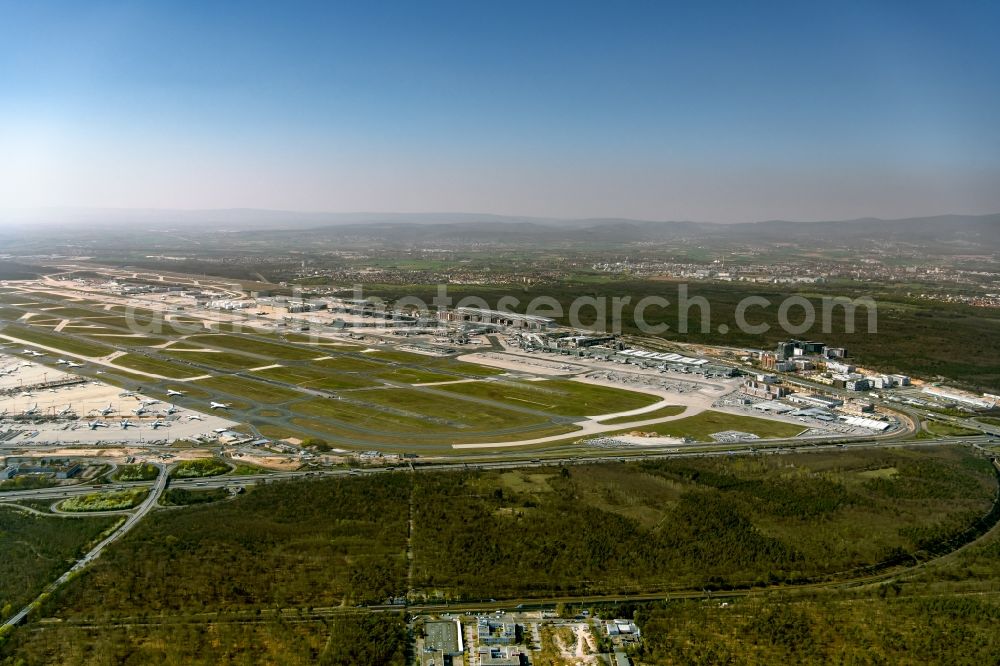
(557,396)
(248,389)
(662,412)
(941,429)
(387,437)
(126,340)
(274,350)
(155,366)
(225,361)
(700,426)
(462,414)
(58,341)
(317,376)
(280,432)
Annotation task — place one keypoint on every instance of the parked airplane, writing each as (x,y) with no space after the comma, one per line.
(68,409)
(27,394)
(220,430)
(31,410)
(140,411)
(172,409)
(94,425)
(149,401)
(107,410)
(220,405)
(32,352)
(173,392)
(159,422)
(62,361)
(125,423)
(195,417)
(71,364)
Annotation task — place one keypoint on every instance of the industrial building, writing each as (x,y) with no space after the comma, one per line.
(954,395)
(816,400)
(765,390)
(443,639)
(498,318)
(59,469)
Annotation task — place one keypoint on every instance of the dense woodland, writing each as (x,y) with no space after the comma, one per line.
(290,549)
(36,549)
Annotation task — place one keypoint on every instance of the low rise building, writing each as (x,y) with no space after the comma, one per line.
(492,631)
(816,400)
(497,655)
(764,390)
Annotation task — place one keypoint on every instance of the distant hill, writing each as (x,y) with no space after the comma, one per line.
(973,232)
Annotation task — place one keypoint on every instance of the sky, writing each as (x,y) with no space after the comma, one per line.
(713,111)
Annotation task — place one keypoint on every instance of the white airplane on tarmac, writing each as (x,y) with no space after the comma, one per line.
(107,410)
(220,405)
(30,411)
(195,417)
(173,392)
(68,409)
(94,425)
(158,423)
(125,423)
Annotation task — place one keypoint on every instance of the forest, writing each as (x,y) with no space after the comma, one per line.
(36,549)
(291,548)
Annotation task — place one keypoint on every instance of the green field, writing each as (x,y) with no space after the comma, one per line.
(218,360)
(700,426)
(415,437)
(57,341)
(669,410)
(248,389)
(438,418)
(271,350)
(317,376)
(155,366)
(555,396)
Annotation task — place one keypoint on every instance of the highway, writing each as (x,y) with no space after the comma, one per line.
(95,552)
(507,462)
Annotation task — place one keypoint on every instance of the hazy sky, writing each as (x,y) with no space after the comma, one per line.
(708,111)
